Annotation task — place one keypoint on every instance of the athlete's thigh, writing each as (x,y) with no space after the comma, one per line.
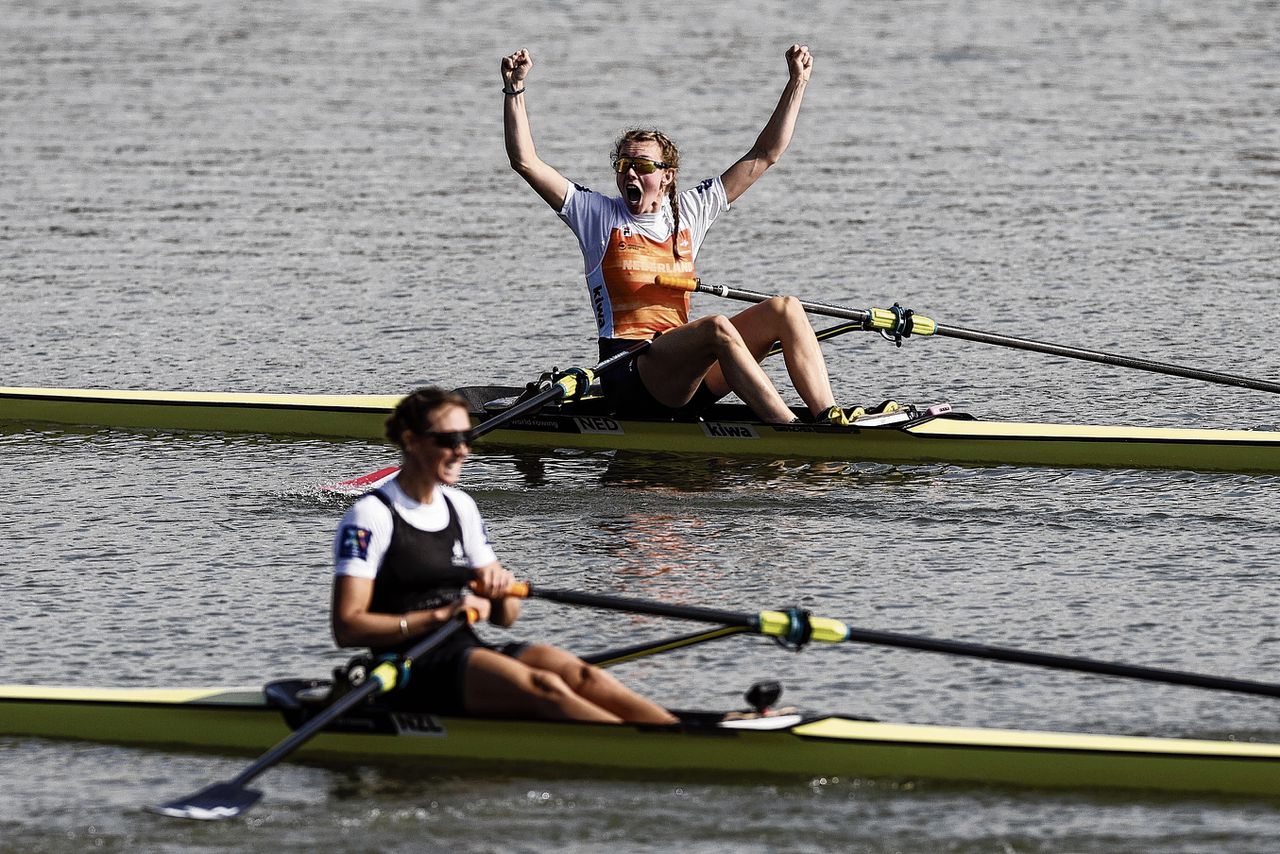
(674,365)
(760,327)
(496,683)
(561,662)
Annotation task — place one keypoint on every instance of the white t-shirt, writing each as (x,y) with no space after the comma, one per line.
(596,220)
(364,534)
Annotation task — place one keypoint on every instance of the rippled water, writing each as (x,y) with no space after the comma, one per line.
(314,197)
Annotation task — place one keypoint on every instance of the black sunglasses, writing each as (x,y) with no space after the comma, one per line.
(449,439)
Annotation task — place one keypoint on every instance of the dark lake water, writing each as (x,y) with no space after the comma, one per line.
(314,197)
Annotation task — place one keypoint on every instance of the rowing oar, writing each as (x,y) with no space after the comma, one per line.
(229,799)
(569,384)
(797,627)
(897,323)
(572,382)
(613,657)
(822,335)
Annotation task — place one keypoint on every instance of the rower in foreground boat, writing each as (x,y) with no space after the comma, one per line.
(757,744)
(399,553)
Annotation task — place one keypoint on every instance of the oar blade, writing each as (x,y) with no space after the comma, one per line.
(363,483)
(212,803)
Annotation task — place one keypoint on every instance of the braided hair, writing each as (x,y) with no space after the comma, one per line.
(671,157)
(413,413)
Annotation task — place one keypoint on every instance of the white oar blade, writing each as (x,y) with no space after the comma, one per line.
(212,803)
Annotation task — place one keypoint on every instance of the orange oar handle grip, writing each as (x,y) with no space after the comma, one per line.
(473,616)
(679,283)
(519,590)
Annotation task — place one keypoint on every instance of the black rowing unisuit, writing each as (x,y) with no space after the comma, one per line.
(421,569)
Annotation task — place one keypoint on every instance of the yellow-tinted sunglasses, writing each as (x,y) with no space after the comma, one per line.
(642,165)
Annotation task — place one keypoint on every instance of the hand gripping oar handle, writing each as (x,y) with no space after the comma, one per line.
(896,323)
(785,626)
(230,798)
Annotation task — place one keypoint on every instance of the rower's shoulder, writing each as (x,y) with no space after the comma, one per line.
(581,195)
(458,498)
(374,503)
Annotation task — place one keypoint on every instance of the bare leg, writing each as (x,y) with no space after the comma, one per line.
(497,684)
(675,365)
(783,319)
(596,685)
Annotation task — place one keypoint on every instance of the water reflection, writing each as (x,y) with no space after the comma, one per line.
(695,473)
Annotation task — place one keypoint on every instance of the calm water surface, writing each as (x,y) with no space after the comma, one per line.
(314,197)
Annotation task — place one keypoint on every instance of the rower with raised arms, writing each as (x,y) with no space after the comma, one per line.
(400,553)
(653,229)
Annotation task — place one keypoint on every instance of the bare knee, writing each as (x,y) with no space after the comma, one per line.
(787,309)
(722,334)
(585,675)
(547,685)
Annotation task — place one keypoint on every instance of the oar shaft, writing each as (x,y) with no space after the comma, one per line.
(638,606)
(563,387)
(686,284)
(1103,358)
(1064,662)
(876,318)
(823,335)
(780,624)
(382,678)
(611,657)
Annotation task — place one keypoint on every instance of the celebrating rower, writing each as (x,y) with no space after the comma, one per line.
(654,229)
(398,554)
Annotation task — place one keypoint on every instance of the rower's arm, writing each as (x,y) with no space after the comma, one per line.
(355,625)
(546,181)
(776,136)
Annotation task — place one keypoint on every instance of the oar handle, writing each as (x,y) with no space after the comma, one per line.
(677,283)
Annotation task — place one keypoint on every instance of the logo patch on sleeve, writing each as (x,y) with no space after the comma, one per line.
(353,542)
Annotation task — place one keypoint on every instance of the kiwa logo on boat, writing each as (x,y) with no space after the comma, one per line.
(728,430)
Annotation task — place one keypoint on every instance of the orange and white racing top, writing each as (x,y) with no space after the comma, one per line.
(624,252)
